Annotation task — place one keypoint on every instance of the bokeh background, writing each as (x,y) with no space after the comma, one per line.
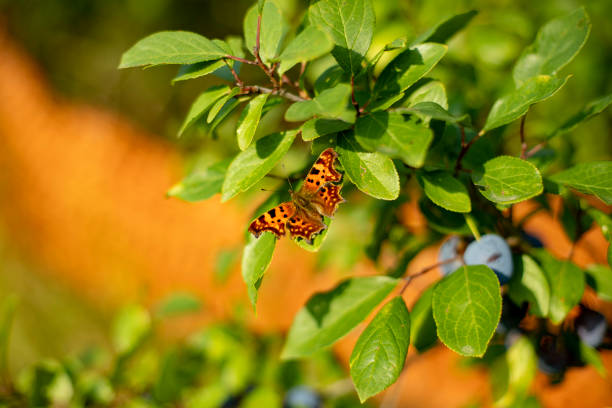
(87,153)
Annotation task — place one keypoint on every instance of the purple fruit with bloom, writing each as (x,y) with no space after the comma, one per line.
(493,251)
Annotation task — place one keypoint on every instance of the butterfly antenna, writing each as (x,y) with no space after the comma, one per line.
(289,181)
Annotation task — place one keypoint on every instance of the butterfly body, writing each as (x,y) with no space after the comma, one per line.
(318,196)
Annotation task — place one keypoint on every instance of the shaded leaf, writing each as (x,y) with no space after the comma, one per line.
(309,44)
(431,110)
(216,108)
(251,165)
(513,373)
(130,327)
(589,178)
(508,180)
(591,356)
(446,191)
(372,173)
(566,282)
(599,277)
(201,184)
(442,32)
(423,333)
(591,109)
(328,316)
(200,69)
(529,284)
(467,307)
(202,104)
(394,135)
(378,357)
(256,258)
(318,127)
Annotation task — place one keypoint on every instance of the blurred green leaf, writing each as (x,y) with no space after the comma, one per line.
(407,68)
(442,32)
(209,396)
(599,277)
(446,191)
(130,327)
(590,178)
(201,184)
(273,30)
(443,221)
(591,356)
(351,26)
(529,284)
(262,397)
(372,173)
(603,220)
(556,44)
(513,373)
(256,258)
(202,104)
(467,308)
(7,313)
(378,357)
(45,384)
(316,127)
(330,104)
(178,304)
(515,104)
(251,165)
(431,110)
(508,180)
(394,135)
(309,44)
(328,316)
(249,120)
(591,109)
(423,334)
(226,258)
(566,282)
(171,47)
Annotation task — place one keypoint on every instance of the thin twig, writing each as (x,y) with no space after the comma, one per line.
(269,72)
(535,149)
(465,147)
(256,89)
(243,60)
(234,74)
(522,132)
(353,99)
(423,271)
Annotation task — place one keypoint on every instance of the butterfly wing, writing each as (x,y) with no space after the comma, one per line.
(305,225)
(327,199)
(274,220)
(321,173)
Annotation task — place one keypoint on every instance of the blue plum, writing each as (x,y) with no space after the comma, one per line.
(493,251)
(449,250)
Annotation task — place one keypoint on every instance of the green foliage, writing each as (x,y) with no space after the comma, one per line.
(378,356)
(383,106)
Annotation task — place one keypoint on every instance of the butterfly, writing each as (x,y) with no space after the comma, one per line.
(318,196)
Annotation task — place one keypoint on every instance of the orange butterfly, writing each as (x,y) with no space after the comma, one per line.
(319,196)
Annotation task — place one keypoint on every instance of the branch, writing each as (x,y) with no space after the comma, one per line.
(256,89)
(243,60)
(269,71)
(353,100)
(523,143)
(234,74)
(465,147)
(423,271)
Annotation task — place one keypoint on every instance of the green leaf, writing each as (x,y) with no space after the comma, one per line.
(256,258)
(431,110)
(130,327)
(599,277)
(216,108)
(556,44)
(351,26)
(202,104)
(591,109)
(422,324)
(273,31)
(589,178)
(603,220)
(201,184)
(443,31)
(566,282)
(513,373)
(591,356)
(332,103)
(372,173)
(516,103)
(446,191)
(394,135)
(178,304)
(529,284)
(249,120)
(378,357)
(433,91)
(328,316)
(262,396)
(316,127)
(171,47)
(310,44)
(408,67)
(251,165)
(443,221)
(225,111)
(200,69)
(318,239)
(467,307)
(508,180)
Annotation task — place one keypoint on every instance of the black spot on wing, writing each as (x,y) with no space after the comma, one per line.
(272,213)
